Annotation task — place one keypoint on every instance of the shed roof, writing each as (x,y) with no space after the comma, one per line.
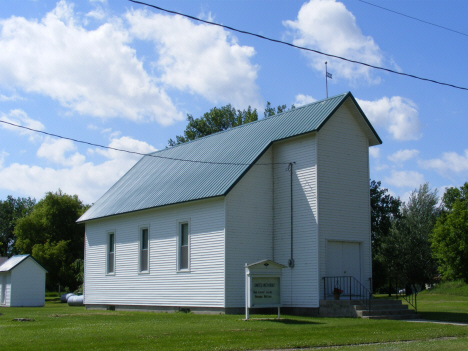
(15,261)
(210,166)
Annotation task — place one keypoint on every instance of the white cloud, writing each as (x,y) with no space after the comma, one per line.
(200,58)
(3,155)
(92,72)
(54,150)
(98,14)
(327,26)
(13,97)
(302,99)
(403,155)
(449,163)
(88,180)
(19,117)
(399,116)
(403,179)
(374,152)
(126,143)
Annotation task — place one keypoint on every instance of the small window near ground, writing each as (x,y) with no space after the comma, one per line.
(111,254)
(184,246)
(144,254)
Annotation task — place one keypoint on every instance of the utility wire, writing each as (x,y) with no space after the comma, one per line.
(417,19)
(141,154)
(300,47)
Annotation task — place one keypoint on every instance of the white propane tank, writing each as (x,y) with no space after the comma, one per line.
(64,297)
(75,300)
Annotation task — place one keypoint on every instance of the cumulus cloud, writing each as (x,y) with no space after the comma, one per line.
(19,117)
(54,150)
(374,152)
(199,58)
(397,115)
(302,99)
(449,163)
(13,97)
(88,180)
(92,72)
(3,155)
(403,179)
(98,14)
(126,143)
(328,26)
(403,155)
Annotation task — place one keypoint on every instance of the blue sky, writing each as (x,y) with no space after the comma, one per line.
(124,75)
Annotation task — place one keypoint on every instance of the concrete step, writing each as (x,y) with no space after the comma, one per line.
(387,302)
(381,307)
(385,313)
(395,317)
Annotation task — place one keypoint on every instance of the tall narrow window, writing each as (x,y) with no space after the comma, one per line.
(111,254)
(184,246)
(144,250)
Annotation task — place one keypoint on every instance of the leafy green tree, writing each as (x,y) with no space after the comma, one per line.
(271,111)
(216,120)
(450,235)
(11,210)
(50,233)
(219,119)
(406,251)
(384,210)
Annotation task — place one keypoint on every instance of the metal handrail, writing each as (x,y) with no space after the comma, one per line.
(410,298)
(348,285)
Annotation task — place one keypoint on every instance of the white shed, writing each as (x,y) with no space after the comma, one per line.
(22,282)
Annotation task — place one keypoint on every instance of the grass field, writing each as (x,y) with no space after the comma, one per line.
(60,327)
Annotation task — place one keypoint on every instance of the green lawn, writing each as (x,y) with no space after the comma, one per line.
(60,327)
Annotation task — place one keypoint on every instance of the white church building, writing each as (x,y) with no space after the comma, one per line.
(178,228)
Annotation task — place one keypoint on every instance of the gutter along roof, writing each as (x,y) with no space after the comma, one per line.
(210,166)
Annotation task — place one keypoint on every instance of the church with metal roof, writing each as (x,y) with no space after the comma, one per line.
(178,228)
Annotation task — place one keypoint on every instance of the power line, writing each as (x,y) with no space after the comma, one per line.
(139,153)
(300,47)
(417,19)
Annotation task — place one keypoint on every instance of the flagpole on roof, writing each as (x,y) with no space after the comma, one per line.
(327,75)
(326,78)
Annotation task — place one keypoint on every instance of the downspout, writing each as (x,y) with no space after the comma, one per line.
(290,169)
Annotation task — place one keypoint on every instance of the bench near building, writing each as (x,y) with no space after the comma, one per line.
(177,230)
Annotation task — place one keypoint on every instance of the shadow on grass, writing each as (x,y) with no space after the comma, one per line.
(285,321)
(445,316)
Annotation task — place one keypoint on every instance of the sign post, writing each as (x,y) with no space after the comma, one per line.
(263,285)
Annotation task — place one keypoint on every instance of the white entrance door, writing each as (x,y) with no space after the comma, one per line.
(4,284)
(344,260)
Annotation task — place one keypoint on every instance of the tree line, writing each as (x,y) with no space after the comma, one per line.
(421,241)
(48,231)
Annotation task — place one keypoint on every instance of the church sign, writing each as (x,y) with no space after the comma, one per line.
(263,285)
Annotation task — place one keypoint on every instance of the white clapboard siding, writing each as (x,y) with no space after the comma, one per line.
(27,284)
(249,226)
(202,286)
(299,283)
(343,178)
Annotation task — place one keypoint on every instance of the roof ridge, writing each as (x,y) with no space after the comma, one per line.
(250,123)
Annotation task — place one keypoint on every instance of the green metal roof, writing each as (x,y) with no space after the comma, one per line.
(212,165)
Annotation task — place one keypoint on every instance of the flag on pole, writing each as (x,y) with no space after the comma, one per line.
(329,75)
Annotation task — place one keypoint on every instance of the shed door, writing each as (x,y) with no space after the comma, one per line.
(4,284)
(344,260)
